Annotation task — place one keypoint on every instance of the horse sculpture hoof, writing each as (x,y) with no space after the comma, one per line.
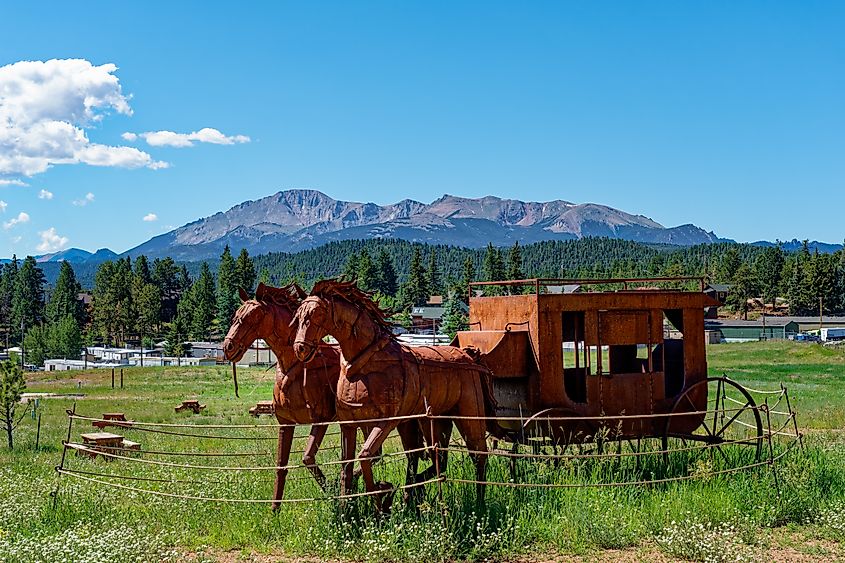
(384,499)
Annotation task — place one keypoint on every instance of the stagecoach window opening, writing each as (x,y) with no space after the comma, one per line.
(672,356)
(576,356)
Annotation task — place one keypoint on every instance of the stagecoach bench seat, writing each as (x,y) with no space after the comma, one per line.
(506,353)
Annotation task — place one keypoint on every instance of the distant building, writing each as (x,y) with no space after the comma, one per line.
(719,292)
(732,330)
(430,316)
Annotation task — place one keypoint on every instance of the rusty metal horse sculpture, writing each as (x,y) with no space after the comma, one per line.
(381,378)
(301,395)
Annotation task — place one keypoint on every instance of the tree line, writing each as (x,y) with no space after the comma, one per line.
(141,301)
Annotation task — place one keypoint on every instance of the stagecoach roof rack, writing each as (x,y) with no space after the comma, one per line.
(628,284)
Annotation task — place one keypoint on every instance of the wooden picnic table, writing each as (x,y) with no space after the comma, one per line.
(101,442)
(111,419)
(262,407)
(192,405)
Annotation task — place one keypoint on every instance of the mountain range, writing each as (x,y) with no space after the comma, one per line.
(301,219)
(294,220)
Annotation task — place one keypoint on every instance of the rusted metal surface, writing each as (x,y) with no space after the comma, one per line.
(381,378)
(594,353)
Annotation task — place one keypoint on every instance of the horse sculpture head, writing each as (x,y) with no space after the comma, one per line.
(334,307)
(265,316)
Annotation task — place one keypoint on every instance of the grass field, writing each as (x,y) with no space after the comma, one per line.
(728,517)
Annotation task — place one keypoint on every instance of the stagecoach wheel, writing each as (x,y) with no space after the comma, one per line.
(732,417)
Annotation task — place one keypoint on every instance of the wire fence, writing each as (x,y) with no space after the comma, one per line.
(542,453)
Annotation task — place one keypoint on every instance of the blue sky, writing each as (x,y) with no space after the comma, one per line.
(729,115)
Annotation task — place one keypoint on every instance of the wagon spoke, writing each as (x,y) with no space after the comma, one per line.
(734,417)
(718,400)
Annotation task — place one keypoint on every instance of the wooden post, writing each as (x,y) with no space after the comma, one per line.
(112,378)
(121,378)
(38,432)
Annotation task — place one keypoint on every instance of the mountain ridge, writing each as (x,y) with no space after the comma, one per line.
(299,219)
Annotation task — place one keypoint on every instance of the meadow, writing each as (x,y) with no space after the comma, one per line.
(738,516)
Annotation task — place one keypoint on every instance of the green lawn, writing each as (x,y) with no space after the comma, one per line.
(712,517)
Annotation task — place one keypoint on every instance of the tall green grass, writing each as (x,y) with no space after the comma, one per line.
(704,518)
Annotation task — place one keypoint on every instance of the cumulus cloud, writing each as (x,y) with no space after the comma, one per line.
(3,206)
(89,198)
(44,194)
(45,107)
(171,139)
(51,241)
(150,217)
(12,182)
(22,217)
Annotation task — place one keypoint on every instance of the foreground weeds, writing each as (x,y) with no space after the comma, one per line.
(709,518)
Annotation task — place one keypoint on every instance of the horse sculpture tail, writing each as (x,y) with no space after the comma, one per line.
(490,404)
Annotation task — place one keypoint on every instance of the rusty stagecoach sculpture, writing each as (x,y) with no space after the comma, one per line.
(630,358)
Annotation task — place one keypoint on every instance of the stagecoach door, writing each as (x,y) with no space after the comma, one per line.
(626,374)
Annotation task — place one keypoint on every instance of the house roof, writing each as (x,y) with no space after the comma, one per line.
(719,287)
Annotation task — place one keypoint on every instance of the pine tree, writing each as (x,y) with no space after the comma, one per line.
(729,264)
(64,300)
(385,274)
(366,274)
(493,269)
(467,277)
(264,276)
(515,271)
(12,386)
(8,275)
(769,268)
(743,287)
(433,282)
(28,297)
(202,302)
(227,289)
(350,269)
(245,271)
(414,290)
(142,269)
(454,318)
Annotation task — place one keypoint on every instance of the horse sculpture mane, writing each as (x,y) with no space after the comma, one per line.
(349,291)
(288,296)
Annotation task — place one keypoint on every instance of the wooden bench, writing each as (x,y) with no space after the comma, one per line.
(262,407)
(191,405)
(111,419)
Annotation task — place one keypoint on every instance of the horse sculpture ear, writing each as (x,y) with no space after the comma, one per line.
(243,294)
(299,291)
(260,291)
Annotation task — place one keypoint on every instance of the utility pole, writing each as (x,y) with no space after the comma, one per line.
(821,314)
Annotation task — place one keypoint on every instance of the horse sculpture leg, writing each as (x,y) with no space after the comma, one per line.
(371,447)
(475,436)
(347,454)
(309,457)
(282,457)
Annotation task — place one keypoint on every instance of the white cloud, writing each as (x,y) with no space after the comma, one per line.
(45,107)
(51,241)
(22,217)
(12,182)
(3,206)
(149,217)
(171,139)
(89,197)
(44,194)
